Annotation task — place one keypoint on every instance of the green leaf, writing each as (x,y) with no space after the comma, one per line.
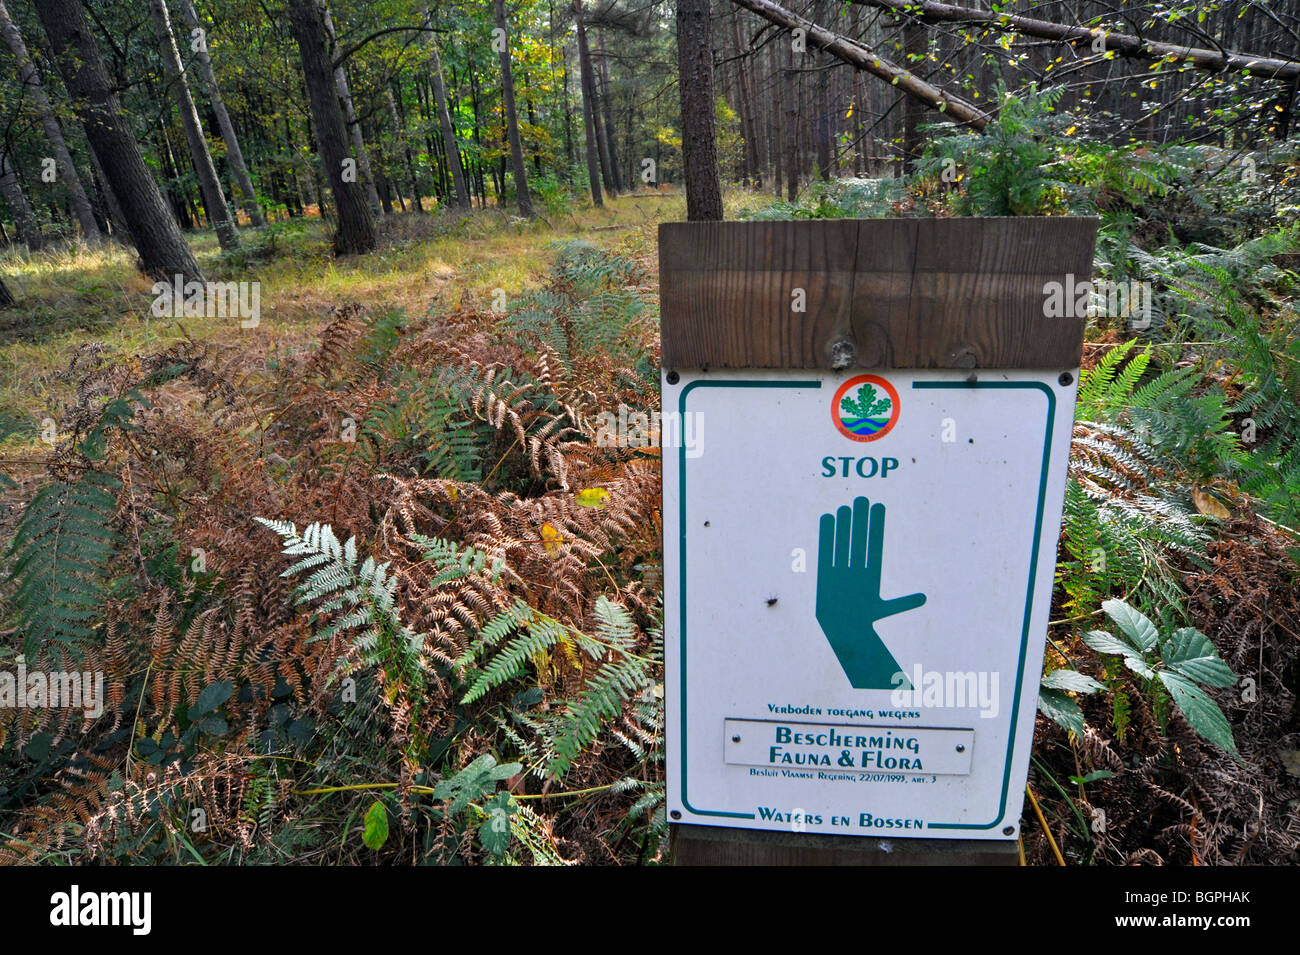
(472,782)
(210,697)
(1134,624)
(1095,776)
(214,725)
(1103,642)
(1056,706)
(494,832)
(1202,713)
(1191,653)
(1139,666)
(376,833)
(1071,680)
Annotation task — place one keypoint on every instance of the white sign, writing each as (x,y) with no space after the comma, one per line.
(858,575)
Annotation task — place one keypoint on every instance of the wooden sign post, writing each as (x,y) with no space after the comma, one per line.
(860,541)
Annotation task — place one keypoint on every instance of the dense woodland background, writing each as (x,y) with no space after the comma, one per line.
(446,214)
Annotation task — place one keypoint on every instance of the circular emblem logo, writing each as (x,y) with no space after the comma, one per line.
(865,407)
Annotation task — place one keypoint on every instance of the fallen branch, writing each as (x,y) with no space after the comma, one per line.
(1121,44)
(861,57)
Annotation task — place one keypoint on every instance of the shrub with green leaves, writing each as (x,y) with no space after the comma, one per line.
(1179,664)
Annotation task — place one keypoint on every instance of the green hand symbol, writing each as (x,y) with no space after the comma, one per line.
(848,594)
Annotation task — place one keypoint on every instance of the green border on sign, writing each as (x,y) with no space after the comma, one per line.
(681,569)
(1029,591)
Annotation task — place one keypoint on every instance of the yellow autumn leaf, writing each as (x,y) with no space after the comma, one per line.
(849,114)
(1208,505)
(1070,131)
(592,497)
(551,538)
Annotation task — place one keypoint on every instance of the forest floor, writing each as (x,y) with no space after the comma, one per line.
(73,296)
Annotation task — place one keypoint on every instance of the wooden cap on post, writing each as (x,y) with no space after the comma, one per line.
(968,293)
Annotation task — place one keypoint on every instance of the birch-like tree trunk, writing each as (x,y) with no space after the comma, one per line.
(25,220)
(444,122)
(234,155)
(213,198)
(32,88)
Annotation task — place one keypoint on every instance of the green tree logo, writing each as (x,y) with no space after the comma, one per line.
(867,413)
(865,405)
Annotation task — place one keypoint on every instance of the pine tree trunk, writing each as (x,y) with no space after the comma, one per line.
(588,83)
(350,113)
(444,123)
(163,250)
(234,155)
(777,115)
(512,117)
(791,127)
(214,200)
(695,80)
(25,221)
(31,82)
(598,120)
(821,100)
(355,232)
(748,122)
(616,181)
(914,44)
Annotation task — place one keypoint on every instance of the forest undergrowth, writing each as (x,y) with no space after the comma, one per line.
(388,599)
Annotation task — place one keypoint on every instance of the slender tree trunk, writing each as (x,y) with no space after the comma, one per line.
(32,87)
(861,115)
(588,83)
(748,122)
(350,113)
(163,250)
(914,45)
(608,127)
(399,130)
(695,80)
(214,200)
(821,101)
(356,225)
(512,117)
(116,217)
(780,133)
(791,127)
(25,220)
(234,154)
(444,123)
(602,144)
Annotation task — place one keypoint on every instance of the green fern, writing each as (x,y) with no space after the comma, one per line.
(63,552)
(589,307)
(356,601)
(622,676)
